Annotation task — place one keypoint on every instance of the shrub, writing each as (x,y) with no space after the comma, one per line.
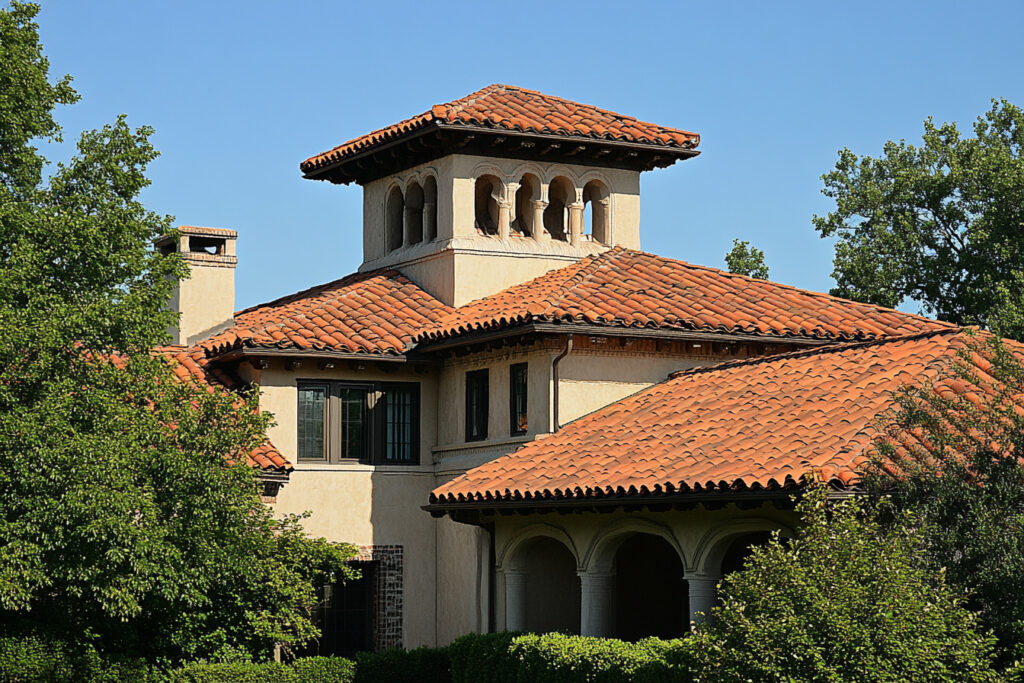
(423,665)
(558,658)
(479,657)
(34,658)
(236,672)
(324,670)
(849,599)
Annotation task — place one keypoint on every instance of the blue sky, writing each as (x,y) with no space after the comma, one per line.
(241,92)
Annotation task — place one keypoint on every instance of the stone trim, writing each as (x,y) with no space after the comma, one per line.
(387,612)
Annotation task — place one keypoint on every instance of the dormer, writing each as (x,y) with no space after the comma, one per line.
(499,187)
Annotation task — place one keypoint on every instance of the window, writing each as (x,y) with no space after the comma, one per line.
(517,387)
(476,405)
(375,423)
(345,615)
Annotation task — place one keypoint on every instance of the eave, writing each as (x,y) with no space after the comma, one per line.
(436,139)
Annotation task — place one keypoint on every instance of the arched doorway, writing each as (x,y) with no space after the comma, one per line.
(552,588)
(651,597)
(740,548)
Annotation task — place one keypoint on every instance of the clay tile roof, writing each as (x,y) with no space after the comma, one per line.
(756,424)
(627,288)
(375,313)
(507,107)
(192,364)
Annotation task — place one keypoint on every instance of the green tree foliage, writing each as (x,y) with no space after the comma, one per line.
(950,453)
(939,224)
(122,525)
(744,259)
(848,600)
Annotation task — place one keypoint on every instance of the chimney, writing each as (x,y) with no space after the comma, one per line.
(206,300)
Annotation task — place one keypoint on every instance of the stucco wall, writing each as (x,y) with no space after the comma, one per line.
(364,504)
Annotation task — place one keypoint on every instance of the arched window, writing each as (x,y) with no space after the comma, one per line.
(596,211)
(488,190)
(561,194)
(429,209)
(413,214)
(526,195)
(393,218)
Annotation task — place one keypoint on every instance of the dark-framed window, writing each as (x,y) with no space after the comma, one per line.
(373,422)
(517,398)
(477,392)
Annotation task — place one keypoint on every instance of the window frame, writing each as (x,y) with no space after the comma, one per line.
(374,422)
(477,378)
(514,398)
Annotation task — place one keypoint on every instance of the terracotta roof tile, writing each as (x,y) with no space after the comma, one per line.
(192,364)
(755,424)
(375,313)
(627,288)
(512,108)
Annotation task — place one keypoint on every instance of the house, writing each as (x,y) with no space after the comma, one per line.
(523,420)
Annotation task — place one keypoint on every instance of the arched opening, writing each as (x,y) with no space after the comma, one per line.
(429,209)
(596,218)
(651,596)
(393,217)
(488,190)
(561,194)
(552,588)
(526,195)
(740,548)
(413,214)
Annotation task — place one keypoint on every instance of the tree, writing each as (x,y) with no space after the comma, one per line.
(939,224)
(744,259)
(848,600)
(123,524)
(950,451)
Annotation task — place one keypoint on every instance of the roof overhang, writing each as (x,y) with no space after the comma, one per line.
(437,139)
(588,329)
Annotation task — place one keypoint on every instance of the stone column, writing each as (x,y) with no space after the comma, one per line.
(575,223)
(597,609)
(515,601)
(408,217)
(429,221)
(602,216)
(539,233)
(504,218)
(703,593)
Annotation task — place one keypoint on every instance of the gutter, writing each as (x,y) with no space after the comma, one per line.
(554,378)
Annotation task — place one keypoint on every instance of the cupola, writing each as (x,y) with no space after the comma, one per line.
(499,187)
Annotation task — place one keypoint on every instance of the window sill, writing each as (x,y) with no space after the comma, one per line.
(356,466)
(473,445)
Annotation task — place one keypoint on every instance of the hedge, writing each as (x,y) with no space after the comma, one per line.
(423,665)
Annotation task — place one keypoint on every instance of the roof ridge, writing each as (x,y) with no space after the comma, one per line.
(303,293)
(836,347)
(794,288)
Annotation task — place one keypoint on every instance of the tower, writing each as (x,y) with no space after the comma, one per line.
(499,187)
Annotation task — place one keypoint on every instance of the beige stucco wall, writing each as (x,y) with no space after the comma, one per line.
(206,300)
(592,379)
(364,504)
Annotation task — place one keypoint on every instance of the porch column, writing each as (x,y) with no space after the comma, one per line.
(515,601)
(703,592)
(596,604)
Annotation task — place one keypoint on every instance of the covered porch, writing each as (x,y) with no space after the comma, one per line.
(626,575)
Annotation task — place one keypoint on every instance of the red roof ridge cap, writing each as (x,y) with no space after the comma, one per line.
(835,347)
(351,278)
(794,288)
